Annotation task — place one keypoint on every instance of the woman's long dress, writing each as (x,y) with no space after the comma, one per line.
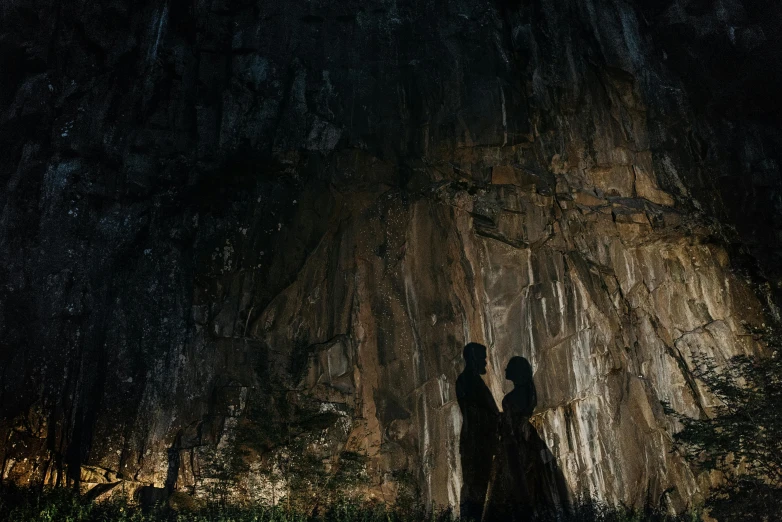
(526,483)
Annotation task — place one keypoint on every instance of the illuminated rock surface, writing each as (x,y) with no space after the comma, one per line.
(238,203)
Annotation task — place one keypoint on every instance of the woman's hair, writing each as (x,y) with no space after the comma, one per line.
(520,371)
(523,398)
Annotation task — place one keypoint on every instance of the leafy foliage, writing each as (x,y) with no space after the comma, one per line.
(299,444)
(222,469)
(62,505)
(588,510)
(741,438)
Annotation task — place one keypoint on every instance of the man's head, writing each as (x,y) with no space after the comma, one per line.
(475,358)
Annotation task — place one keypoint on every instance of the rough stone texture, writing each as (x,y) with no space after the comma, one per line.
(212,205)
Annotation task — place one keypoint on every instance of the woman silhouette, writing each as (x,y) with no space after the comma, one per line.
(523,399)
(526,483)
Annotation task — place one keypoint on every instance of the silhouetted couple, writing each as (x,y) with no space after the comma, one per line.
(508,472)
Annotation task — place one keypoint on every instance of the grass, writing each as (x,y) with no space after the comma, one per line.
(62,505)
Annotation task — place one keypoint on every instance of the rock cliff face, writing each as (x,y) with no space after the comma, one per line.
(232,217)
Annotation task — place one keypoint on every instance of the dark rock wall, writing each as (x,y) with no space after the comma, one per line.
(209,207)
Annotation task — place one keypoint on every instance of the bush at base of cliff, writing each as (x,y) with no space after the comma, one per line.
(63,505)
(742,436)
(747,501)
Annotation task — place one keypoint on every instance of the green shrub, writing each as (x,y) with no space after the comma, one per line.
(63,505)
(741,438)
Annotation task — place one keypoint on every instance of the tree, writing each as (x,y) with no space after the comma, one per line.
(299,442)
(743,436)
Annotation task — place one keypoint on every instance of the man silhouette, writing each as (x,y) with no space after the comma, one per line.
(479,431)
